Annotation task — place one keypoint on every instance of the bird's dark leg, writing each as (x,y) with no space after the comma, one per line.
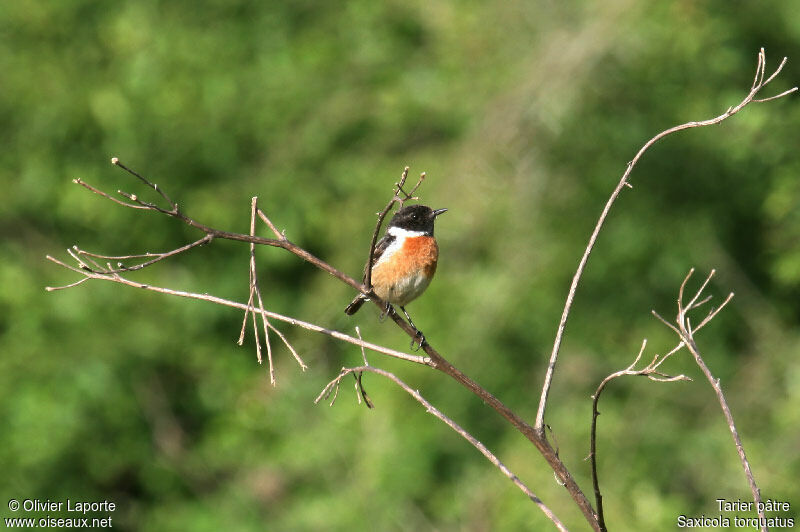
(419,333)
(385,312)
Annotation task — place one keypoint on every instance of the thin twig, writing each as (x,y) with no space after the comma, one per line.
(686,334)
(71,285)
(269,223)
(534,434)
(669,354)
(434,358)
(116,278)
(289,346)
(89,187)
(650,371)
(255,291)
(157,257)
(115,161)
(334,384)
(713,313)
(397,198)
(250,298)
(361,393)
(758,84)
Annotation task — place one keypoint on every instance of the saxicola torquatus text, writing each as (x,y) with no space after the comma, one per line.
(404,260)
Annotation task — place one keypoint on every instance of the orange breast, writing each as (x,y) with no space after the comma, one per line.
(399,282)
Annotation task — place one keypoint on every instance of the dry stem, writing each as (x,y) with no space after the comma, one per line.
(683,328)
(116,278)
(397,198)
(333,387)
(758,84)
(651,371)
(89,268)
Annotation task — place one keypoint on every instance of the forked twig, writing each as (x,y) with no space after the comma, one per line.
(172,204)
(682,327)
(333,387)
(362,393)
(253,293)
(650,371)
(116,278)
(397,198)
(758,84)
(88,268)
(154,257)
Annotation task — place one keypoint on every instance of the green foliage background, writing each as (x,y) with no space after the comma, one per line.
(524,115)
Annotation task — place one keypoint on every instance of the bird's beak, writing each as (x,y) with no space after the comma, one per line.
(437,212)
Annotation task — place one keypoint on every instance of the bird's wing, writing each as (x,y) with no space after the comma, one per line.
(380,247)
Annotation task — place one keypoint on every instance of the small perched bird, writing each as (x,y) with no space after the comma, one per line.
(404,260)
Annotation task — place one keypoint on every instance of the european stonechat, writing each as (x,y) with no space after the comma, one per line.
(404,260)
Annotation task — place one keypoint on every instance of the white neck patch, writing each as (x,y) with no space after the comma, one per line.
(400,233)
(400,236)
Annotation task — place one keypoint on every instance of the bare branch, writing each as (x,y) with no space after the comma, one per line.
(781,95)
(758,84)
(713,313)
(115,161)
(291,348)
(99,192)
(691,305)
(269,223)
(683,287)
(669,354)
(71,285)
(434,359)
(254,288)
(116,278)
(90,269)
(334,384)
(255,293)
(686,334)
(363,353)
(157,257)
(212,233)
(361,392)
(651,372)
(410,195)
(667,378)
(665,322)
(777,70)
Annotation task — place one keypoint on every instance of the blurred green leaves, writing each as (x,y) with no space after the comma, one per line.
(523,116)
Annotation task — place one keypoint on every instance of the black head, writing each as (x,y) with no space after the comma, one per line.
(416,218)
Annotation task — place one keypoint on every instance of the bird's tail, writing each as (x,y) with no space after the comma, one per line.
(355,304)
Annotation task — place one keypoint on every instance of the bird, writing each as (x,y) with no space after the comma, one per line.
(404,261)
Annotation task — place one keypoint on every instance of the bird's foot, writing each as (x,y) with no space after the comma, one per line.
(418,337)
(385,312)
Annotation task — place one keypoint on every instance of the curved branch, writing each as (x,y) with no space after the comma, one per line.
(116,278)
(212,233)
(651,372)
(334,385)
(89,268)
(686,334)
(758,84)
(398,189)
(436,360)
